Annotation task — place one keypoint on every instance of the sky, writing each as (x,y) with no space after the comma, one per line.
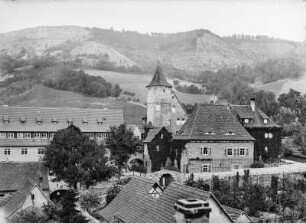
(285,19)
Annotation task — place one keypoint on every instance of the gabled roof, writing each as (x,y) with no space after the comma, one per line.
(258,116)
(12,203)
(155,131)
(159,78)
(134,205)
(213,122)
(53,119)
(14,175)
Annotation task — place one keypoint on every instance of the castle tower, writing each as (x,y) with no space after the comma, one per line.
(163,107)
(159,100)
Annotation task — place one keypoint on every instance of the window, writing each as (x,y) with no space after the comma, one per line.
(26,135)
(10,135)
(52,135)
(44,135)
(266,135)
(24,151)
(265,120)
(54,120)
(36,135)
(157,107)
(99,121)
(7,151)
(204,151)
(91,135)
(246,120)
(157,148)
(270,135)
(161,136)
(3,135)
(266,149)
(229,152)
(41,151)
(19,135)
(242,152)
(173,109)
(205,168)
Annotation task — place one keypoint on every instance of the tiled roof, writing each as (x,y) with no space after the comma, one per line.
(11,203)
(147,209)
(131,203)
(14,175)
(159,78)
(195,98)
(53,119)
(14,201)
(245,112)
(212,122)
(151,134)
(235,213)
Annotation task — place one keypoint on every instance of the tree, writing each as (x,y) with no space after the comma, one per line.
(90,201)
(74,158)
(69,212)
(29,215)
(122,143)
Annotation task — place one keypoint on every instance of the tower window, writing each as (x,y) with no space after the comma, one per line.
(157,148)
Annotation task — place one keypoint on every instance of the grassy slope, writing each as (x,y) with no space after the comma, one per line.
(283,86)
(137,83)
(47,97)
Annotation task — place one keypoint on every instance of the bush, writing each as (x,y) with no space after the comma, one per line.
(90,201)
(257,164)
(287,152)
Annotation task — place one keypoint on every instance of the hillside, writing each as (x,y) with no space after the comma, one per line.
(192,51)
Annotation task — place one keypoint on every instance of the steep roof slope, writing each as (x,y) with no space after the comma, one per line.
(134,205)
(14,175)
(257,116)
(159,78)
(212,122)
(53,119)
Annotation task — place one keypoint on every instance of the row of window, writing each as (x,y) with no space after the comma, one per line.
(228,152)
(43,135)
(249,120)
(268,135)
(236,152)
(24,151)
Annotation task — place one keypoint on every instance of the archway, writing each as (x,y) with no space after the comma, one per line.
(56,195)
(166,179)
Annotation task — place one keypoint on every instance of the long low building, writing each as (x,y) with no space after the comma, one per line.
(26,131)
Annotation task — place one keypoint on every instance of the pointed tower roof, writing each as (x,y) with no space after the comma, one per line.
(159,78)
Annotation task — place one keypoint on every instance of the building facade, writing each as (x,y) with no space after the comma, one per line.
(213,140)
(267,133)
(26,131)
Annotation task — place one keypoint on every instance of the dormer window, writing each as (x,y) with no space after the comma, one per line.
(85,120)
(38,120)
(99,121)
(246,120)
(265,121)
(70,121)
(209,133)
(54,120)
(230,133)
(22,119)
(6,119)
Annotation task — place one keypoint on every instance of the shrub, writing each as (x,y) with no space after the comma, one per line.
(257,164)
(90,201)
(287,152)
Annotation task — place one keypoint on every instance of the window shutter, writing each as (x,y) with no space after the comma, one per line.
(209,151)
(209,168)
(247,152)
(225,152)
(235,152)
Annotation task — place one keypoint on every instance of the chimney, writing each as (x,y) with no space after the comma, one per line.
(252,103)
(192,211)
